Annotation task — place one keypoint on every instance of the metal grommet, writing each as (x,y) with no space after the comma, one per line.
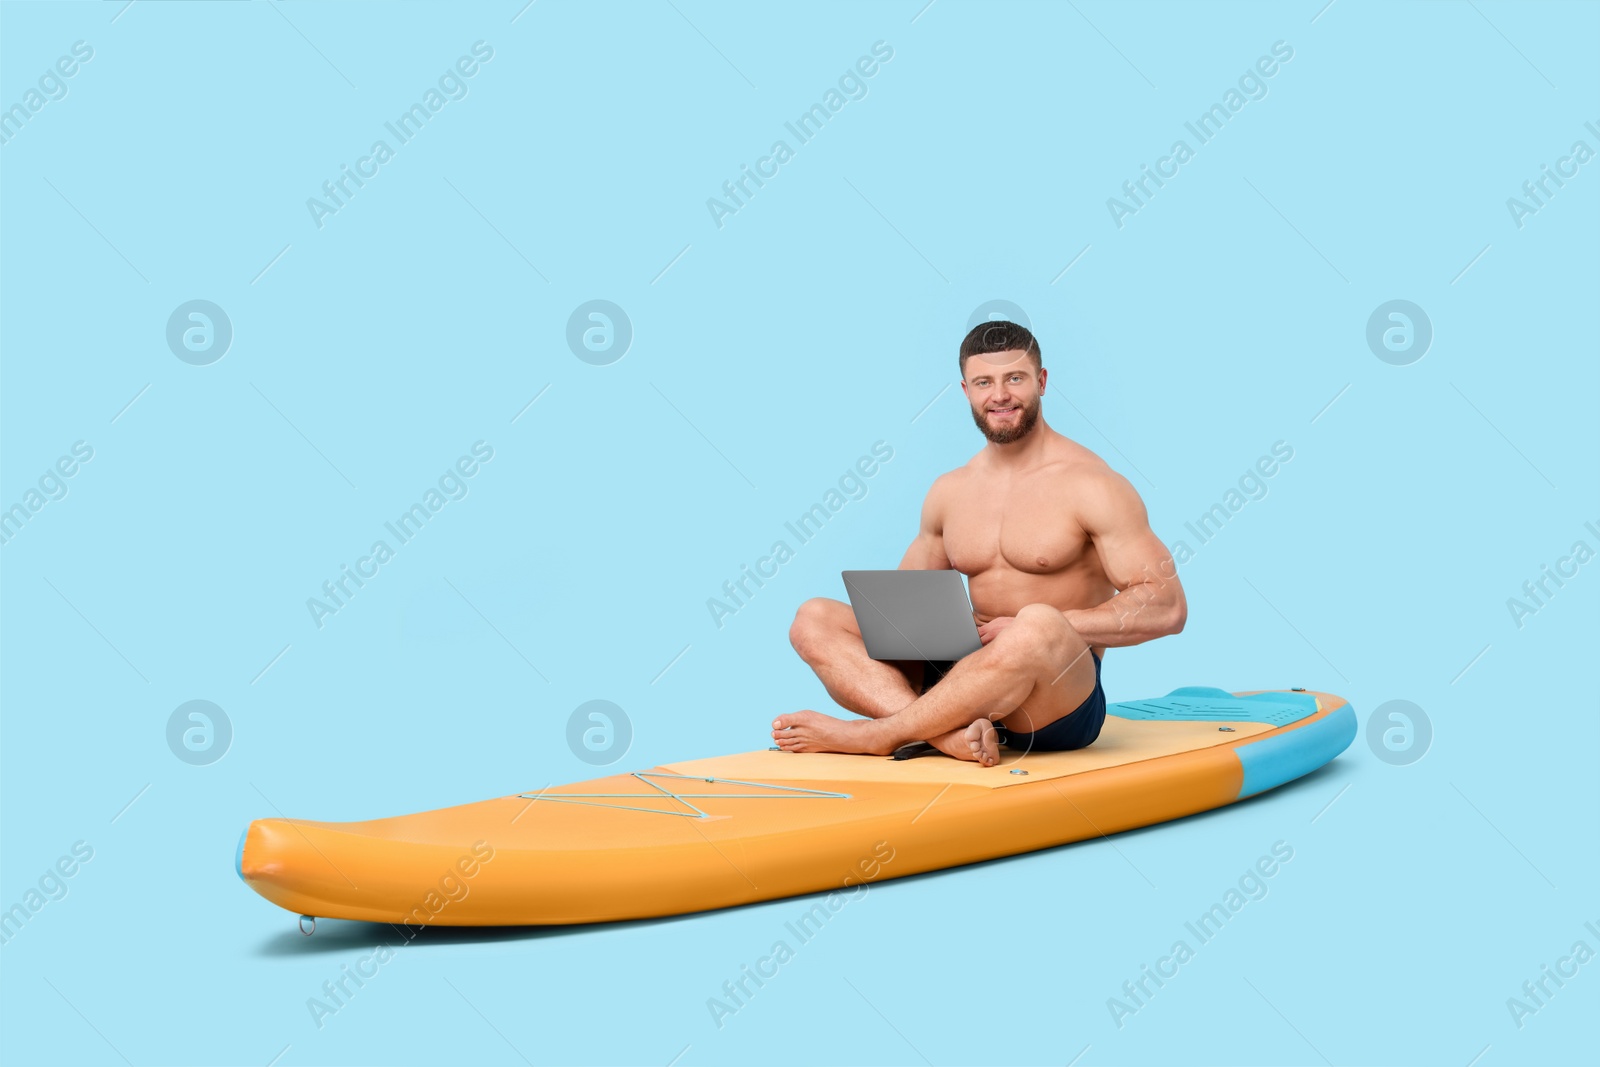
(303,929)
(1019,772)
(1226,729)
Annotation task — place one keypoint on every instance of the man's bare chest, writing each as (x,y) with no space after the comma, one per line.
(1035,534)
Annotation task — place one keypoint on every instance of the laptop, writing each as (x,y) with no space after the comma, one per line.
(913,615)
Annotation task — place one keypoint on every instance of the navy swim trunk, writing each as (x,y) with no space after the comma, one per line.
(1077,729)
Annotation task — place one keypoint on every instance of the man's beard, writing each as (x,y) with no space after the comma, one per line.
(1014,432)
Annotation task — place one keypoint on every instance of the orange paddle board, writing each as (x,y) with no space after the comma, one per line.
(712,833)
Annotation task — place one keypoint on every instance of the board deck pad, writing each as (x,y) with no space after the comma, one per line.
(1219,705)
(701,834)
(1121,741)
(1190,719)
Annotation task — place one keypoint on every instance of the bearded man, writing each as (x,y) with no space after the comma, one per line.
(1061,564)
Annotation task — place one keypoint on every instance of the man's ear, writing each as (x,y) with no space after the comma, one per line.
(1043,374)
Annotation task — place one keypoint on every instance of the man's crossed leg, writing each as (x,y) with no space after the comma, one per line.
(1032,673)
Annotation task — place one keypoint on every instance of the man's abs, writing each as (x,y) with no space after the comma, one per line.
(1001,592)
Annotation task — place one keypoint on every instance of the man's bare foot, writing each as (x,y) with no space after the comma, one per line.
(953,744)
(983,743)
(810,731)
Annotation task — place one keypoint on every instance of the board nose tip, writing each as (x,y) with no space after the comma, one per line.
(238,856)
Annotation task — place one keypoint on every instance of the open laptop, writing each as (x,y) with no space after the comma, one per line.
(913,615)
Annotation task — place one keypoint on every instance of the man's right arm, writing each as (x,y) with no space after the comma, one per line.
(927,551)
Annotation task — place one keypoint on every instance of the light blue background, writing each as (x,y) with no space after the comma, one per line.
(823,317)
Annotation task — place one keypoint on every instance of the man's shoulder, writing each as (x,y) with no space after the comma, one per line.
(1090,486)
(948,489)
(949,482)
(1082,468)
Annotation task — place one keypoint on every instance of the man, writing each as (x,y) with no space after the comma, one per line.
(1061,564)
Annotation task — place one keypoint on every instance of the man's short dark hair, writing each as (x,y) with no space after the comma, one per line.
(999,336)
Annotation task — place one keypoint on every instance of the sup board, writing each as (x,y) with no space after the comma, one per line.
(729,830)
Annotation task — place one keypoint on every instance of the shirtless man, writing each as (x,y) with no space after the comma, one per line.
(1061,564)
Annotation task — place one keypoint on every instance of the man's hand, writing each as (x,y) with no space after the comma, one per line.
(987,631)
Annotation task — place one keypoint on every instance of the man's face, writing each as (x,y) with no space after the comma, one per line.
(1004,389)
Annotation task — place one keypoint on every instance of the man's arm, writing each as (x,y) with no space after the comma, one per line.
(1150,603)
(927,550)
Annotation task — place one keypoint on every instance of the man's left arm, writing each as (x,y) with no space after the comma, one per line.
(1150,602)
